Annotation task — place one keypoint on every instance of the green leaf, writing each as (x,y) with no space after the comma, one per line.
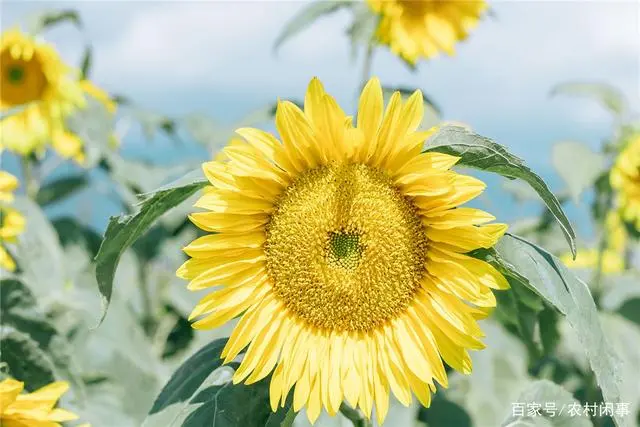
(200,392)
(19,310)
(25,360)
(625,336)
(444,413)
(124,230)
(549,396)
(47,19)
(482,153)
(38,251)
(606,95)
(307,16)
(94,125)
(432,113)
(70,231)
(186,380)
(559,287)
(578,175)
(87,61)
(61,188)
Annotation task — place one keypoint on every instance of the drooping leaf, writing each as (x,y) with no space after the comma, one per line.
(124,230)
(564,291)
(544,403)
(482,153)
(606,95)
(200,392)
(61,188)
(19,310)
(307,16)
(577,165)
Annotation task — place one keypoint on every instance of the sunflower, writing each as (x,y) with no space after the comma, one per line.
(625,178)
(38,91)
(415,29)
(11,221)
(613,256)
(344,251)
(8,184)
(19,409)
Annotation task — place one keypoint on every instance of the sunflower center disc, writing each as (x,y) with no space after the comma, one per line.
(22,81)
(345,250)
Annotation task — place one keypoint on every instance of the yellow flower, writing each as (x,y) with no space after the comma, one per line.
(8,184)
(11,225)
(625,178)
(35,409)
(415,29)
(343,248)
(44,92)
(612,261)
(616,233)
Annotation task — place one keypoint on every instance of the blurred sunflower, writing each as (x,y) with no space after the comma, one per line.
(625,179)
(343,250)
(19,409)
(38,91)
(612,257)
(415,29)
(11,221)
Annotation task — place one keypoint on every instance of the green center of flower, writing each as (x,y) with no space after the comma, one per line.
(15,74)
(344,249)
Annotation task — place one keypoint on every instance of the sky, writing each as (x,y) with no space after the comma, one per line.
(216,58)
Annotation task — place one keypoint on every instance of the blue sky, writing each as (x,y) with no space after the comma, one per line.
(216,58)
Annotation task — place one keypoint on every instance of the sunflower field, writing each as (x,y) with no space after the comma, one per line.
(333,245)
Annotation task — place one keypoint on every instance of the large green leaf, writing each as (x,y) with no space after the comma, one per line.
(200,392)
(124,230)
(61,188)
(24,359)
(185,380)
(482,153)
(307,16)
(559,287)
(544,403)
(19,310)
(577,174)
(38,251)
(608,96)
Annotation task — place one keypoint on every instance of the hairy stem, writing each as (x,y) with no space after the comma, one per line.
(355,416)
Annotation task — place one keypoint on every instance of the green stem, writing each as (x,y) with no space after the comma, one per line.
(289,418)
(31,182)
(355,416)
